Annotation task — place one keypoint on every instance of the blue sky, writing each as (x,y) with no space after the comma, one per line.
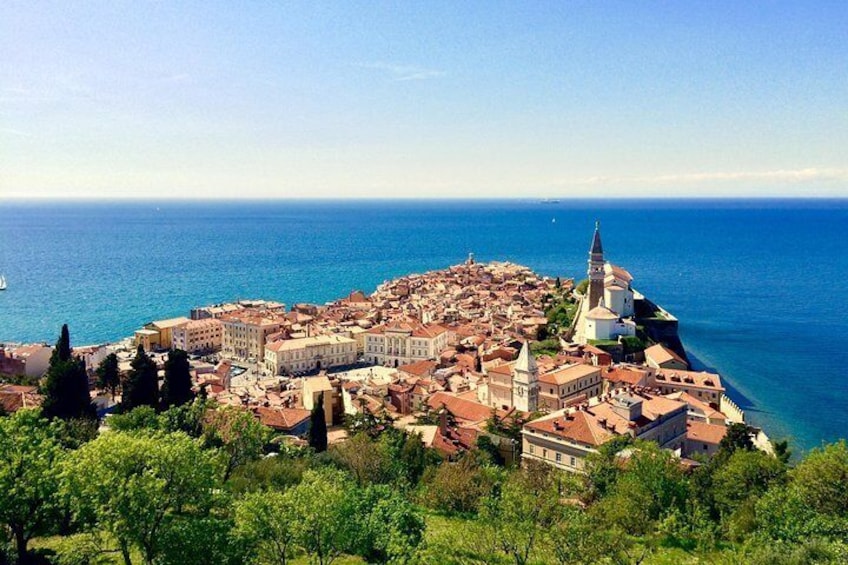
(431,99)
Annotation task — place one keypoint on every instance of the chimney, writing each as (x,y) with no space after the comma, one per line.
(443,422)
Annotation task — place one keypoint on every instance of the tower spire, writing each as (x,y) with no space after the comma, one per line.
(595,271)
(596,240)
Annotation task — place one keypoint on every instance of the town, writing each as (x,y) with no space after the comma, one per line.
(453,355)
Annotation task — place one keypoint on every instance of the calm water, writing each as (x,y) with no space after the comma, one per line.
(760,287)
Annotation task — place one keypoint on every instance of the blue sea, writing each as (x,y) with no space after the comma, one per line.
(760,287)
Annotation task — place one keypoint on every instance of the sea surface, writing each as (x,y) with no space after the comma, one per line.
(760,287)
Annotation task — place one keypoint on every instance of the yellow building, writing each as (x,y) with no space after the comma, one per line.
(159,334)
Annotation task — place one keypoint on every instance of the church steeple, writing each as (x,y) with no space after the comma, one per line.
(596,269)
(596,241)
(525,381)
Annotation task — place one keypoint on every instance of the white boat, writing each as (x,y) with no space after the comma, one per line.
(2,282)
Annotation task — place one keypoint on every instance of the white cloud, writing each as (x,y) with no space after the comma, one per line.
(780,176)
(404,72)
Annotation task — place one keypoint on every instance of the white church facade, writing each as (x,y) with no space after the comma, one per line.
(608,308)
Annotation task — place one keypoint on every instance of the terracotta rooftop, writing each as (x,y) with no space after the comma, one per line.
(661,354)
(568,374)
(706,433)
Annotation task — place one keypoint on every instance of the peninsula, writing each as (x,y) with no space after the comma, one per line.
(476,414)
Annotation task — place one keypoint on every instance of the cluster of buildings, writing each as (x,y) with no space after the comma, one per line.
(446,354)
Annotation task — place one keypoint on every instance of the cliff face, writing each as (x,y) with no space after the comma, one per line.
(659,325)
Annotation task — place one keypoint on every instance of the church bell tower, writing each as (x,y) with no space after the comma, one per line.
(596,270)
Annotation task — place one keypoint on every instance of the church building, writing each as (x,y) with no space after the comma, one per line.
(608,303)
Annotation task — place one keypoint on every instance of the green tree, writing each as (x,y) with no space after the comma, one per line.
(30,461)
(108,375)
(746,474)
(738,436)
(387,527)
(521,511)
(201,540)
(364,458)
(66,393)
(266,521)
(458,487)
(325,514)
(176,390)
(138,486)
(576,539)
(62,352)
(237,433)
(141,386)
(822,479)
(651,484)
(141,418)
(318,426)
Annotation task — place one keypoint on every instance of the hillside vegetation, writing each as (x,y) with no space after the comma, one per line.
(181,487)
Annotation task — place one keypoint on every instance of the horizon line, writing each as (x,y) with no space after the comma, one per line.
(539,199)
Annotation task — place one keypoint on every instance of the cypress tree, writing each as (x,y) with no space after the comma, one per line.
(66,393)
(141,387)
(176,389)
(108,375)
(318,427)
(62,352)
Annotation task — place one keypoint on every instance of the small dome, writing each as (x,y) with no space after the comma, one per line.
(601,313)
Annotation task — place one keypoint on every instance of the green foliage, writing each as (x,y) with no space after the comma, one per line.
(266,523)
(576,539)
(141,418)
(387,527)
(458,487)
(318,426)
(275,472)
(520,511)
(822,479)
(546,347)
(30,461)
(745,474)
(603,467)
(65,389)
(651,484)
(139,486)
(632,344)
(582,286)
(238,435)
(141,385)
(395,457)
(561,313)
(108,374)
(487,446)
(325,509)
(366,422)
(187,418)
(738,436)
(176,390)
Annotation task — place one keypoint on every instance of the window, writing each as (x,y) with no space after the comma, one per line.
(544,454)
(573,462)
(532,449)
(559,457)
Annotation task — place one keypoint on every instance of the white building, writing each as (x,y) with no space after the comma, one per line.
(401,344)
(608,305)
(604,324)
(309,353)
(525,382)
(618,294)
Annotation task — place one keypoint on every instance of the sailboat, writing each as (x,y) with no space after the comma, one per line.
(2,282)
